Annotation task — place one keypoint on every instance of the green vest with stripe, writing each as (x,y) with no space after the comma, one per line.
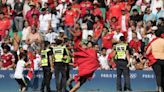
(121,51)
(44,56)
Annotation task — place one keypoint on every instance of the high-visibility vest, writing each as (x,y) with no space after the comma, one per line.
(121,51)
(68,55)
(44,57)
(58,53)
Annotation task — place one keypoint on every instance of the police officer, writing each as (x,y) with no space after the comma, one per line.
(60,66)
(47,65)
(122,57)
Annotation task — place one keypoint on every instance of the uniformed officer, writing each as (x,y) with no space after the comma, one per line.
(122,57)
(60,66)
(47,65)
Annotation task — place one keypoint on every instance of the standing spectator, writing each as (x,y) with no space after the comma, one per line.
(55,20)
(7,59)
(4,26)
(96,9)
(103,59)
(18,18)
(117,34)
(155,4)
(107,38)
(160,13)
(123,20)
(26,8)
(44,21)
(62,8)
(85,5)
(32,11)
(113,23)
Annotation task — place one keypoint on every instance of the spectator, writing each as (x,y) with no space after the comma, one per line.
(160,13)
(135,43)
(104,64)
(4,26)
(107,38)
(55,20)
(44,21)
(155,4)
(32,11)
(7,59)
(117,34)
(85,5)
(96,9)
(26,8)
(135,16)
(18,12)
(148,15)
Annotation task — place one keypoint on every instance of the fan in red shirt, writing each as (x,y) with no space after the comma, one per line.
(7,59)
(97,10)
(114,10)
(107,38)
(135,43)
(97,27)
(84,6)
(4,25)
(76,8)
(114,23)
(69,16)
(32,11)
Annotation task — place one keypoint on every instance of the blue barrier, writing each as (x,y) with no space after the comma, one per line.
(103,81)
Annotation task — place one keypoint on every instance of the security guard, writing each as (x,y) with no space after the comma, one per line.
(122,58)
(47,65)
(60,66)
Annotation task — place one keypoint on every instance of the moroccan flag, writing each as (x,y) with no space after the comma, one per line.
(111,62)
(150,56)
(87,62)
(31,57)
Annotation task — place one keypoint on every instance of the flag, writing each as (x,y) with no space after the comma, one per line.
(111,62)
(31,70)
(87,62)
(150,56)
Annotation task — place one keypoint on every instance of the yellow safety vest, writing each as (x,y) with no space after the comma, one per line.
(58,53)
(68,56)
(44,56)
(121,51)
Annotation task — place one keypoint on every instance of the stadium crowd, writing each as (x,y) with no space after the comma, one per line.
(27,24)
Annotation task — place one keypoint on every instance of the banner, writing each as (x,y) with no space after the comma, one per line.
(103,81)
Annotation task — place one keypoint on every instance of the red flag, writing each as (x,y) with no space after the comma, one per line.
(150,56)
(111,62)
(87,62)
(31,57)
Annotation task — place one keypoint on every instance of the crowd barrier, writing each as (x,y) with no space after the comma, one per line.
(103,81)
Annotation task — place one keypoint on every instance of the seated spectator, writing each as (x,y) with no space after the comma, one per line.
(148,16)
(135,43)
(104,64)
(34,37)
(135,16)
(7,58)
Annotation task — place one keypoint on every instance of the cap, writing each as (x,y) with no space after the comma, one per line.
(61,31)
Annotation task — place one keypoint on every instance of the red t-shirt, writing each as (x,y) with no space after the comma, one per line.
(97,12)
(7,59)
(69,17)
(107,41)
(29,15)
(84,6)
(115,10)
(135,45)
(4,25)
(97,31)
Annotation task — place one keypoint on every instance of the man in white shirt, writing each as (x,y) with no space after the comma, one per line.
(44,21)
(103,60)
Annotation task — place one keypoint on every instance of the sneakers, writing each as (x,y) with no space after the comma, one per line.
(23,89)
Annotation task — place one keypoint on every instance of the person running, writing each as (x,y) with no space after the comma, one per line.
(19,76)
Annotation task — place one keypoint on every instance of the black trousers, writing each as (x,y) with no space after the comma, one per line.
(21,82)
(47,75)
(158,68)
(123,69)
(60,76)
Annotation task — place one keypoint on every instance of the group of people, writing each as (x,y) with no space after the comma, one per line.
(118,31)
